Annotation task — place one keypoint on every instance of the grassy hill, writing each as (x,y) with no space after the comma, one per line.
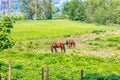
(97,51)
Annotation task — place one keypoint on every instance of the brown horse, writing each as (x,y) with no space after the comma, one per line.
(58,45)
(70,43)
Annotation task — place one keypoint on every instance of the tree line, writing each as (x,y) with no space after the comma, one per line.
(36,9)
(93,11)
(103,12)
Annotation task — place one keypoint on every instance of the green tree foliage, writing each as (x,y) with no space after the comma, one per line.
(90,9)
(32,8)
(115,11)
(5,29)
(102,13)
(75,10)
(47,9)
(98,11)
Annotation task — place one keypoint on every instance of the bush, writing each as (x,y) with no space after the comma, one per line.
(113,77)
(96,76)
(98,31)
(5,29)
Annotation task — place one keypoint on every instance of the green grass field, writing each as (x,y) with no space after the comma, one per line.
(98,53)
(33,30)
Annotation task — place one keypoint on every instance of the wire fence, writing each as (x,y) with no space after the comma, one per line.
(42,75)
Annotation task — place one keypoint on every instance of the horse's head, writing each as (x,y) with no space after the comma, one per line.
(70,43)
(66,42)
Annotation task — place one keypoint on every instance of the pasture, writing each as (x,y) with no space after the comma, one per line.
(34,30)
(97,50)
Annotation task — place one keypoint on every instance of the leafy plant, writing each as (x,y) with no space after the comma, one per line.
(6,40)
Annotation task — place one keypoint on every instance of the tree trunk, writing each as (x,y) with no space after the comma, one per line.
(45,10)
(35,14)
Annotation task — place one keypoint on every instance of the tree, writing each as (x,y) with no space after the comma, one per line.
(90,9)
(102,13)
(80,11)
(36,9)
(29,8)
(99,11)
(49,9)
(35,12)
(115,11)
(45,9)
(5,29)
(75,10)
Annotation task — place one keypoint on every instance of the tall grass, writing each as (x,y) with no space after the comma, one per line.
(61,66)
(109,41)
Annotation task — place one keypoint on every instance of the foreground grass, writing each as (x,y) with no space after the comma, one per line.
(62,66)
(33,30)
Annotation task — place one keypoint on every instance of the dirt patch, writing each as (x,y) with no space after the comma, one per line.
(85,37)
(81,48)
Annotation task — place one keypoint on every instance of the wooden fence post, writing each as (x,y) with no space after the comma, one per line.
(6,78)
(42,73)
(9,76)
(47,72)
(82,74)
(0,77)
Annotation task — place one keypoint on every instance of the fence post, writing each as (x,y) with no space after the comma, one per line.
(0,77)
(47,72)
(9,63)
(6,78)
(82,74)
(42,73)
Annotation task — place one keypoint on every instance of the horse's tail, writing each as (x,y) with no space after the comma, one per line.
(51,49)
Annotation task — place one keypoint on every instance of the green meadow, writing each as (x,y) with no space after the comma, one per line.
(97,51)
(45,29)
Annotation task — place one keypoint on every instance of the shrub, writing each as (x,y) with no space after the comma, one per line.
(5,29)
(97,31)
(67,35)
(113,77)
(94,76)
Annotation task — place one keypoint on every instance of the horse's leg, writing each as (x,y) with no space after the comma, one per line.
(67,43)
(51,49)
(64,49)
(70,44)
(61,49)
(73,44)
(55,50)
